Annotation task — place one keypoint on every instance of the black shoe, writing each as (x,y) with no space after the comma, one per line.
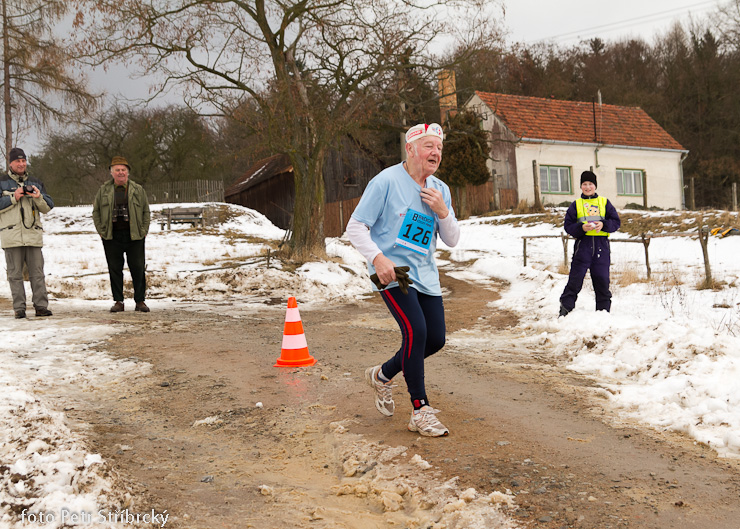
(20,314)
(141,306)
(563,311)
(43,312)
(117,307)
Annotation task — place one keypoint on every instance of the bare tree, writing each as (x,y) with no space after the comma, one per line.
(315,70)
(38,80)
(726,19)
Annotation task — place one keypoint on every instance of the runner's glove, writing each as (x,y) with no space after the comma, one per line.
(402,276)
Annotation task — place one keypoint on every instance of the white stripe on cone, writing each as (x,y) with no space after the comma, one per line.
(294,341)
(292,315)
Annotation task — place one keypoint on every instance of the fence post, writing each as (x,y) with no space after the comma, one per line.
(525,250)
(646,243)
(734,196)
(703,240)
(564,237)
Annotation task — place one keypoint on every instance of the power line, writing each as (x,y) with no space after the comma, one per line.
(613,26)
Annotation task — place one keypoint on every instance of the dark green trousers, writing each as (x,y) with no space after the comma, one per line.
(116,249)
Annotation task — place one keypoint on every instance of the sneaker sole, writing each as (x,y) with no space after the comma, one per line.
(371,383)
(425,434)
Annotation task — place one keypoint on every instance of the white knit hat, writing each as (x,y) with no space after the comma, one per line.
(422,129)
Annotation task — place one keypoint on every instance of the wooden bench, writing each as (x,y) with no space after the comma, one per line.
(192,216)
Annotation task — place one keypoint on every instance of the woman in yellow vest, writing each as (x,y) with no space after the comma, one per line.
(589,219)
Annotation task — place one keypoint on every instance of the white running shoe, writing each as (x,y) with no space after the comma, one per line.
(426,423)
(383,392)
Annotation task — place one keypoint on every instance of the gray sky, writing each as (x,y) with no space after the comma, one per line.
(568,21)
(561,21)
(529,21)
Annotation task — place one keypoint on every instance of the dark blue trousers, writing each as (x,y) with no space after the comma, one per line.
(422,321)
(589,253)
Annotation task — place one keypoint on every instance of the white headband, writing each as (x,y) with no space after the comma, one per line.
(422,129)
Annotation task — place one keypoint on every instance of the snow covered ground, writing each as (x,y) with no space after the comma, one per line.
(668,354)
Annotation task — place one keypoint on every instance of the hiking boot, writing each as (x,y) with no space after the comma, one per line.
(20,314)
(141,306)
(563,311)
(117,307)
(43,312)
(426,423)
(383,392)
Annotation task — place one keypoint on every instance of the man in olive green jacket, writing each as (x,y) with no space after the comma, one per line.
(121,216)
(22,201)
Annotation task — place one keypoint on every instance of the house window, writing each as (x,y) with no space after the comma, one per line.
(629,182)
(555,179)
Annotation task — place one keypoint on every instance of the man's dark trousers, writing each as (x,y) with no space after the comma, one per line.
(589,253)
(115,249)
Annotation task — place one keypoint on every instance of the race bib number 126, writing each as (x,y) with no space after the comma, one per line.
(416,232)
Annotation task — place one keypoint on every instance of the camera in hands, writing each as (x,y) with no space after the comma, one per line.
(28,189)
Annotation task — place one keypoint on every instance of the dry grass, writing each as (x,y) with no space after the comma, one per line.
(666,279)
(715,285)
(522,208)
(218,214)
(633,224)
(561,268)
(727,218)
(625,276)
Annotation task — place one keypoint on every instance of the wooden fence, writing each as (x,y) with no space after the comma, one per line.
(190,191)
(336,216)
(702,235)
(478,199)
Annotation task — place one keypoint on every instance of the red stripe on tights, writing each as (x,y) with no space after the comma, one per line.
(409,331)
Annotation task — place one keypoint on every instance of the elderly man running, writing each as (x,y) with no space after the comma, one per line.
(395,227)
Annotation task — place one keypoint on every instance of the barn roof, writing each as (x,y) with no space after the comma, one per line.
(536,118)
(259,172)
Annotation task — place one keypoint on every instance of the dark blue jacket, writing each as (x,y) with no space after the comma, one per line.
(585,242)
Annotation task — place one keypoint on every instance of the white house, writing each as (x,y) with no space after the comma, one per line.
(547,143)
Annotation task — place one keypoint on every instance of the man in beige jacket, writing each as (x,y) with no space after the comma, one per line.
(23,201)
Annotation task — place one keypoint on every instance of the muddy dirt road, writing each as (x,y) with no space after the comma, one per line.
(191,439)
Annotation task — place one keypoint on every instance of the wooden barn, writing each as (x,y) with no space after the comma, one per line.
(268,187)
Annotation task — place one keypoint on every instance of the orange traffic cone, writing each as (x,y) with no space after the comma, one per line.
(295,349)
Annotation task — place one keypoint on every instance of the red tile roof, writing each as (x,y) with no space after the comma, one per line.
(539,118)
